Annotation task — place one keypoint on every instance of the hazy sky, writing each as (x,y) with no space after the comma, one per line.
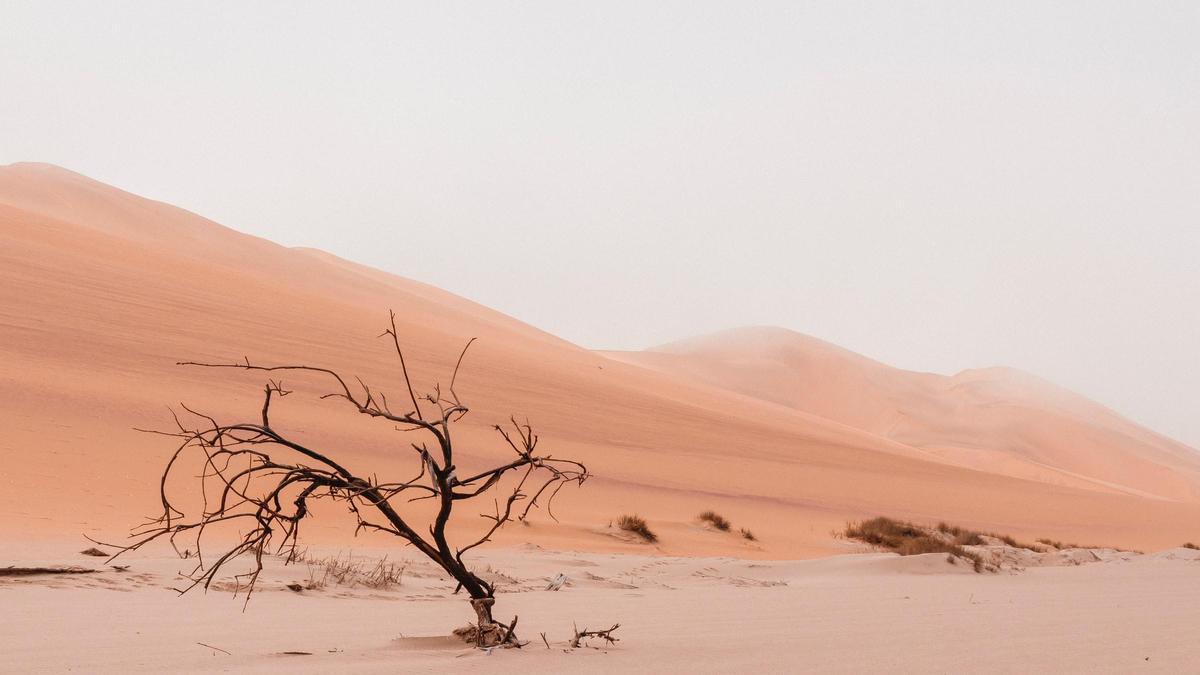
(936,185)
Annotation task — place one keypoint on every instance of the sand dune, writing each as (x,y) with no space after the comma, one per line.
(998,420)
(101,292)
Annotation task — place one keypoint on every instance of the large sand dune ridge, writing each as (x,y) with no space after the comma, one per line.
(102,292)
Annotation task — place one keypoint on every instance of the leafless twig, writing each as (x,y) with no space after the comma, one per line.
(584,634)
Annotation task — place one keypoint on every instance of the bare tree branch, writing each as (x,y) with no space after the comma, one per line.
(260,482)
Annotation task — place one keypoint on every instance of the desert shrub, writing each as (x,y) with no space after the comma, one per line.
(961,535)
(968,538)
(716,520)
(964,537)
(1011,541)
(883,531)
(747,534)
(909,539)
(952,530)
(638,526)
(1191,546)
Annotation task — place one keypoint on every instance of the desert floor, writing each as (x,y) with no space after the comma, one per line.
(850,613)
(103,293)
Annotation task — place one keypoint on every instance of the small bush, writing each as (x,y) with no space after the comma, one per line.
(883,532)
(713,518)
(1191,546)
(636,525)
(747,534)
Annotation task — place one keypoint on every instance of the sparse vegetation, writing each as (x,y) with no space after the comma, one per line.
(1060,545)
(716,520)
(747,534)
(381,575)
(638,526)
(1012,542)
(93,551)
(1191,546)
(964,537)
(909,539)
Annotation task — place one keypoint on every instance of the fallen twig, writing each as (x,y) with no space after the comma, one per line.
(212,647)
(28,571)
(585,634)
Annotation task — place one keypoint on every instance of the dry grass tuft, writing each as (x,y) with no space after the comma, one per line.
(380,575)
(747,534)
(716,520)
(1012,542)
(1191,546)
(908,539)
(636,525)
(1060,545)
(964,537)
(93,551)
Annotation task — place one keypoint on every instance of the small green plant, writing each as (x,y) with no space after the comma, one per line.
(638,526)
(716,520)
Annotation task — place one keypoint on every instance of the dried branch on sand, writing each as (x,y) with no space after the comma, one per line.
(606,635)
(30,571)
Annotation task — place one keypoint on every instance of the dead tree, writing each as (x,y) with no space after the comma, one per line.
(261,481)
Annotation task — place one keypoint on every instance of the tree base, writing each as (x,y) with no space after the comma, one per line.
(486,632)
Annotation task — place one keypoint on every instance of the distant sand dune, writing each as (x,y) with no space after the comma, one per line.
(998,420)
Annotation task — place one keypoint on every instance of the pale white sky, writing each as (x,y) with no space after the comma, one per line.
(936,185)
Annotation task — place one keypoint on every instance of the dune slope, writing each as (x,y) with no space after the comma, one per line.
(102,292)
(996,419)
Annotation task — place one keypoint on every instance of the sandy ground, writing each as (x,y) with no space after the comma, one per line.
(102,292)
(873,612)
